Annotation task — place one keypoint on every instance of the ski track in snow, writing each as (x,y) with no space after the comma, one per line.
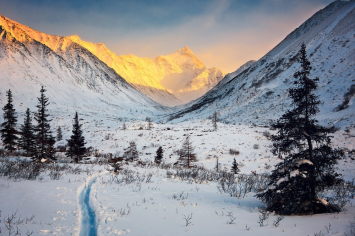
(87,218)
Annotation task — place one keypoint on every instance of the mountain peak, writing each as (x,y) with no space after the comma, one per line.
(186,56)
(75,36)
(186,49)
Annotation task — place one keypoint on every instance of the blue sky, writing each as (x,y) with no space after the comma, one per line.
(222,33)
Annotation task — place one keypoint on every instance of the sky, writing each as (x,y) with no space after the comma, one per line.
(221,33)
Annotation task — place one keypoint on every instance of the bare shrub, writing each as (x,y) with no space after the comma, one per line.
(17,169)
(278,220)
(234,151)
(256,146)
(188,219)
(267,134)
(263,216)
(12,221)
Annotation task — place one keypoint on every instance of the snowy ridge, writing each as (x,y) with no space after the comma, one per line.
(169,80)
(259,94)
(181,74)
(61,45)
(232,75)
(164,79)
(76,79)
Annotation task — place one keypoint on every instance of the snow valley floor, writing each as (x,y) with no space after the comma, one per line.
(87,199)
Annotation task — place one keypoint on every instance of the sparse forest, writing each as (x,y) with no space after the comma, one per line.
(246,177)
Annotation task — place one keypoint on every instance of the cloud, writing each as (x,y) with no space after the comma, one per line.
(221,37)
(222,33)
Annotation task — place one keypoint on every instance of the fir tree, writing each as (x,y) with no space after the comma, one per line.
(59,134)
(305,147)
(76,144)
(27,139)
(217,166)
(235,168)
(44,139)
(159,155)
(8,131)
(150,124)
(124,127)
(131,153)
(215,120)
(187,155)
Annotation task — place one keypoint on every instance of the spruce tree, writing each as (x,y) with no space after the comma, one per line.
(217,166)
(215,120)
(76,144)
(59,134)
(8,131)
(131,153)
(27,139)
(307,166)
(187,155)
(235,168)
(44,139)
(150,124)
(159,155)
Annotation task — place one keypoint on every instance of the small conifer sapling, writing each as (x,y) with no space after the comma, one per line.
(76,144)
(159,156)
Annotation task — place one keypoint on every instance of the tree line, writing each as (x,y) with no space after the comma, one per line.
(36,140)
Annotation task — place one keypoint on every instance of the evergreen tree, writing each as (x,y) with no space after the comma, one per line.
(305,147)
(159,155)
(76,144)
(235,168)
(214,120)
(131,153)
(27,139)
(59,134)
(44,139)
(217,166)
(124,127)
(150,124)
(8,131)
(187,155)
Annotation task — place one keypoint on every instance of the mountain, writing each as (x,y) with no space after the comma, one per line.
(185,76)
(139,72)
(169,80)
(75,79)
(242,68)
(259,94)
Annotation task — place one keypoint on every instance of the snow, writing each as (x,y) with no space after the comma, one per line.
(281,180)
(87,213)
(323,201)
(294,173)
(150,208)
(93,202)
(303,161)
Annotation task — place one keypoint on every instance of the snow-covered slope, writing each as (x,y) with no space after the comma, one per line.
(76,79)
(185,76)
(242,68)
(139,72)
(260,94)
(169,80)
(164,78)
